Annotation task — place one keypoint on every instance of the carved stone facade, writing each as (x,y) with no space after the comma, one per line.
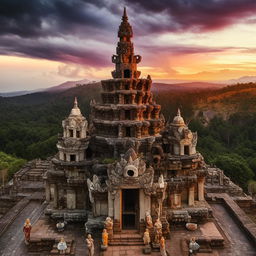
(141,168)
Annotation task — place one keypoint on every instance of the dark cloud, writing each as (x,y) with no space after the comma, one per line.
(196,15)
(23,24)
(53,51)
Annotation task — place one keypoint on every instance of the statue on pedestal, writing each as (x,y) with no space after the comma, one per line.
(90,245)
(162,247)
(26,230)
(146,240)
(62,246)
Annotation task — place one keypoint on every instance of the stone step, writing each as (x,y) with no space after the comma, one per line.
(126,243)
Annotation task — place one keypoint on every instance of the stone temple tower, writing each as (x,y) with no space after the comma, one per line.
(73,143)
(66,187)
(128,116)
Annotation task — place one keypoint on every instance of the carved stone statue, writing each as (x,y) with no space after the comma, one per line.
(146,237)
(26,230)
(109,224)
(157,231)
(62,246)
(162,247)
(149,223)
(105,238)
(90,245)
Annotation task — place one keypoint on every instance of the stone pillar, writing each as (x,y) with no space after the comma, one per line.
(55,196)
(191,195)
(201,189)
(145,204)
(47,192)
(71,199)
(117,206)
(110,205)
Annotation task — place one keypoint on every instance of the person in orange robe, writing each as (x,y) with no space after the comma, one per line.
(26,230)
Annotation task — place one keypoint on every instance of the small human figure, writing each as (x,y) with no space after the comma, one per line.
(90,245)
(193,246)
(108,224)
(162,247)
(149,223)
(105,238)
(26,230)
(62,245)
(146,237)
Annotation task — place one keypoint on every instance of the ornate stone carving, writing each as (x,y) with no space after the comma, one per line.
(95,186)
(131,170)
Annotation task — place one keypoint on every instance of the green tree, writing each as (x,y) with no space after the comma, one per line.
(236,168)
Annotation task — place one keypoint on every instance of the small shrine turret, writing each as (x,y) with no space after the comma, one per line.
(73,143)
(179,139)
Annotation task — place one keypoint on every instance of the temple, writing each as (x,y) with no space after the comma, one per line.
(137,164)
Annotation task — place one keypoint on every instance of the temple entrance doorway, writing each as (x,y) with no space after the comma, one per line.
(130,208)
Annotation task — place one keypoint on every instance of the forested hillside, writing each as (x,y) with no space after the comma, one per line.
(30,124)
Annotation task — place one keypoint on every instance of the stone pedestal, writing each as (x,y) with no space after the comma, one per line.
(147,249)
(156,247)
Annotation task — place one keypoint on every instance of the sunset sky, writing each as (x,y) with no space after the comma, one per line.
(47,42)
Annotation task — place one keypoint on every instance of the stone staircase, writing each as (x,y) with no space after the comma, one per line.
(37,171)
(129,238)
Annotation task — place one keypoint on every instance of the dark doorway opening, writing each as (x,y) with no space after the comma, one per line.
(128,132)
(186,150)
(127,73)
(130,208)
(127,115)
(72,158)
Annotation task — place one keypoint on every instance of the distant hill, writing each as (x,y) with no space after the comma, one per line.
(242,80)
(240,98)
(186,86)
(67,85)
(156,86)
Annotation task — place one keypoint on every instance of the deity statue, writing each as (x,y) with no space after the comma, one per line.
(26,230)
(146,237)
(193,246)
(157,231)
(90,245)
(109,224)
(149,223)
(105,238)
(62,246)
(162,247)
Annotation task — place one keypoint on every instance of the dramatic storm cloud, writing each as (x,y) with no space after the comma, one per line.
(169,34)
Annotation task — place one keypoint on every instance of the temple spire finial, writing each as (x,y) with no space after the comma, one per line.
(178,112)
(75,103)
(125,17)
